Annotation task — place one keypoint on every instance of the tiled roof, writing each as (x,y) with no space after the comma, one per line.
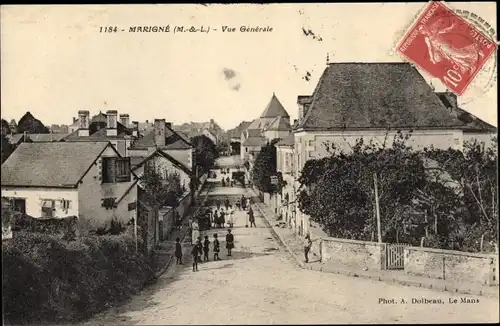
(280,124)
(175,162)
(254,141)
(255,125)
(274,109)
(375,95)
(53,164)
(288,141)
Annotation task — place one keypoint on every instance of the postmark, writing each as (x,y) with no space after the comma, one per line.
(447,47)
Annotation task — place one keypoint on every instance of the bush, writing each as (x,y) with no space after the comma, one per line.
(46,279)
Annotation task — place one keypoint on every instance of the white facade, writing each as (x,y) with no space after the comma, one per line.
(66,200)
(164,165)
(86,201)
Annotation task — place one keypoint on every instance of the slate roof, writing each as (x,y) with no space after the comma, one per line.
(274,109)
(254,141)
(279,124)
(254,132)
(175,162)
(375,95)
(52,164)
(288,141)
(173,140)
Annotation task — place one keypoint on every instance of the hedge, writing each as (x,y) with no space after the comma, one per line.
(46,279)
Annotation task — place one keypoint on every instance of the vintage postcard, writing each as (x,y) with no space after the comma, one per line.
(213,164)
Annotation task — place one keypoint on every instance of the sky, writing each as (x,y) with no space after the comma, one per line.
(54,60)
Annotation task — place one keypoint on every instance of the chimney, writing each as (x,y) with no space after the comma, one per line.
(168,124)
(125,119)
(111,123)
(295,122)
(135,129)
(83,123)
(74,119)
(160,129)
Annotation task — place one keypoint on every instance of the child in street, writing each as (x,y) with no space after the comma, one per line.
(194,253)
(206,248)
(229,242)
(178,251)
(216,247)
(200,249)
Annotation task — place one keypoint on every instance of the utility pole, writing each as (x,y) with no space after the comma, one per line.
(379,230)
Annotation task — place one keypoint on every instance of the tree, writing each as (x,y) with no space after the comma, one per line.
(29,124)
(205,152)
(7,147)
(5,127)
(264,167)
(164,189)
(338,191)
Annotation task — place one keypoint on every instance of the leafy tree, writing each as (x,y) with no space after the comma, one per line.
(5,127)
(264,167)
(339,190)
(205,152)
(28,123)
(7,147)
(164,189)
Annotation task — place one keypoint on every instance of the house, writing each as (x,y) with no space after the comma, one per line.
(165,138)
(285,203)
(90,180)
(165,163)
(373,101)
(105,127)
(274,122)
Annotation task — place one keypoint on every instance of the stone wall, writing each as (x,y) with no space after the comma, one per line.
(350,254)
(452,265)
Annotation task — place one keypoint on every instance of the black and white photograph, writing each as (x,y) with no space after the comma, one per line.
(249,164)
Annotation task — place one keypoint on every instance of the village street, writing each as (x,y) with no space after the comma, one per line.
(260,284)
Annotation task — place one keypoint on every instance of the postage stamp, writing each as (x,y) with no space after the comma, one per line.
(447,46)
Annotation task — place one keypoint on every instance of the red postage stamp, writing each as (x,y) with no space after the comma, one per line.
(447,47)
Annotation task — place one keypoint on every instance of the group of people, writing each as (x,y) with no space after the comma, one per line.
(200,249)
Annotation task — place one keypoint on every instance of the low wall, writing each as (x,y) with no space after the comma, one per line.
(352,254)
(452,265)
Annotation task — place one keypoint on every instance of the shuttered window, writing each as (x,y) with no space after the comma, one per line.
(116,169)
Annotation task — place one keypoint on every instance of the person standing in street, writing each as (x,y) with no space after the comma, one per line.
(229,242)
(222,219)
(251,217)
(243,202)
(200,248)
(216,247)
(307,247)
(178,251)
(195,233)
(217,203)
(194,253)
(226,203)
(206,248)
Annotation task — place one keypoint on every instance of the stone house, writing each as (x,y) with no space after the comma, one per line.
(90,180)
(373,101)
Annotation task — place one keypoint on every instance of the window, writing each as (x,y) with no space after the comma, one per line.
(48,207)
(246,149)
(15,204)
(115,169)
(132,206)
(311,154)
(65,204)
(286,162)
(108,203)
(311,143)
(457,141)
